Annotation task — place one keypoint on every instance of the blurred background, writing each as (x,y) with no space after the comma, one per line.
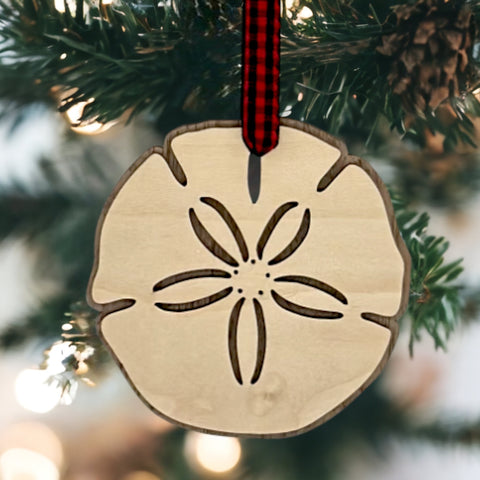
(87,86)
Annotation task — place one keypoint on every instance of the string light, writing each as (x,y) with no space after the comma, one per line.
(213,453)
(74,115)
(294,10)
(289,5)
(60,5)
(23,464)
(305,13)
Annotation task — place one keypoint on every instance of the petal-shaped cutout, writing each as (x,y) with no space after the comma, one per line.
(195,304)
(190,275)
(287,226)
(295,242)
(206,238)
(271,225)
(304,310)
(220,208)
(261,339)
(190,287)
(327,298)
(233,339)
(314,283)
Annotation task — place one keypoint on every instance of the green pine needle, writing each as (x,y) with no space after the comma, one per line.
(435,304)
(181,62)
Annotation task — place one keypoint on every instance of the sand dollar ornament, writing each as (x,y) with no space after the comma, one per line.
(249,286)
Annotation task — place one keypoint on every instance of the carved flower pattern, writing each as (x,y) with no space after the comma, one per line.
(230,316)
(216,249)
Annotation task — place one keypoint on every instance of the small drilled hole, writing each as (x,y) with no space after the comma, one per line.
(252,262)
(267,275)
(260,292)
(235,272)
(240,290)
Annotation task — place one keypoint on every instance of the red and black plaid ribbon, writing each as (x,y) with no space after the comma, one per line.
(261,72)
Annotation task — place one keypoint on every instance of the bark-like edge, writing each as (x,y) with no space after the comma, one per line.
(343,161)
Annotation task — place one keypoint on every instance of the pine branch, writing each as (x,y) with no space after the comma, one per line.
(434,305)
(127,57)
(44,323)
(58,220)
(181,63)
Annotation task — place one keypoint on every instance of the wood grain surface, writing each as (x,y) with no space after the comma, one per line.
(256,319)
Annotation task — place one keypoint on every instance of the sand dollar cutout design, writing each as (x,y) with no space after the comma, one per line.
(260,319)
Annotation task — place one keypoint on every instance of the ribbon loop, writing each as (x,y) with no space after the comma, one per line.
(261,74)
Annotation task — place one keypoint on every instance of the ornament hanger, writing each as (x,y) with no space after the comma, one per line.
(260,88)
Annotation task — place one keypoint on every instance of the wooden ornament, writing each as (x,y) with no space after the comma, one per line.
(252,319)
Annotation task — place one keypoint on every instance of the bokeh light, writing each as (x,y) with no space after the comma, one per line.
(34,436)
(34,393)
(213,453)
(141,475)
(23,464)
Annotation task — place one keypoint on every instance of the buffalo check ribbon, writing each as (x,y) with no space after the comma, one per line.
(261,72)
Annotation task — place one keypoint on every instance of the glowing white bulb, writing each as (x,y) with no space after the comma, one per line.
(75,112)
(34,393)
(305,12)
(213,453)
(289,5)
(74,115)
(23,464)
(60,5)
(58,352)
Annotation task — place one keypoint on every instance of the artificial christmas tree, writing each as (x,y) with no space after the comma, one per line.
(174,63)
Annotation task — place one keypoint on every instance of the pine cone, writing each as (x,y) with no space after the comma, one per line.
(430,52)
